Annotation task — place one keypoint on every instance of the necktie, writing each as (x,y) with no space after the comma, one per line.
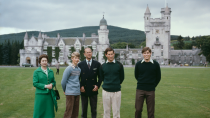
(89,64)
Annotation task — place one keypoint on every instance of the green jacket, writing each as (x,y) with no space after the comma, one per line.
(40,80)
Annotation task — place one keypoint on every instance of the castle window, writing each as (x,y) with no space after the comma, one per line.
(147,18)
(61,54)
(61,46)
(161,53)
(161,46)
(77,46)
(45,47)
(53,54)
(157,39)
(152,47)
(94,47)
(167,17)
(152,53)
(139,55)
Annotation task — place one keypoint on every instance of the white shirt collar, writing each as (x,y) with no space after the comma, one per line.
(149,61)
(112,61)
(72,65)
(90,61)
(45,71)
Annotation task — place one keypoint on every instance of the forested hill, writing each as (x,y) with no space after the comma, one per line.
(116,34)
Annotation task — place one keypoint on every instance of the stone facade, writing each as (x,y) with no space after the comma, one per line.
(35,46)
(157,38)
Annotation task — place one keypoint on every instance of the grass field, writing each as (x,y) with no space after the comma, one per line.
(182,93)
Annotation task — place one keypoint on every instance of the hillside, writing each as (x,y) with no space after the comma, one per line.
(116,34)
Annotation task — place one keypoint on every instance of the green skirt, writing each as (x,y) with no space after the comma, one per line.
(43,106)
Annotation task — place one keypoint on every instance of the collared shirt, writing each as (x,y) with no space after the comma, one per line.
(149,61)
(89,62)
(112,61)
(45,71)
(72,65)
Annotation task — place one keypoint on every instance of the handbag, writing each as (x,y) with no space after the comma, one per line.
(57,94)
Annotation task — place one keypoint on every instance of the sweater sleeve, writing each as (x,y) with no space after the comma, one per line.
(122,76)
(136,71)
(66,75)
(81,83)
(158,75)
(99,76)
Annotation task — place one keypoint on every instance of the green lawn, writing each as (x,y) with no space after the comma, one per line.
(182,93)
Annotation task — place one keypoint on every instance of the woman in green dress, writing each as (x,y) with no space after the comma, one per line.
(44,81)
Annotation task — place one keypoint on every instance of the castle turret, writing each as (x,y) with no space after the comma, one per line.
(147,16)
(167,17)
(40,39)
(26,39)
(103,40)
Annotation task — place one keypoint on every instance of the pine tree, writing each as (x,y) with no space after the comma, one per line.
(82,57)
(57,51)
(9,51)
(180,43)
(1,54)
(5,53)
(49,54)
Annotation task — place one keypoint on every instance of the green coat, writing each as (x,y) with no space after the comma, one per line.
(43,96)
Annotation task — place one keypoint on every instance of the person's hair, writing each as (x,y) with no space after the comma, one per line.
(108,49)
(75,54)
(87,48)
(145,49)
(43,56)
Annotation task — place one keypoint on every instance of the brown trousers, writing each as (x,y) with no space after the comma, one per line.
(150,101)
(72,106)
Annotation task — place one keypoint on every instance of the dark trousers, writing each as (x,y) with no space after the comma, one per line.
(93,105)
(150,101)
(72,106)
(57,71)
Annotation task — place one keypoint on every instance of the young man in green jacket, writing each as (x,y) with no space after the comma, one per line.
(148,75)
(112,75)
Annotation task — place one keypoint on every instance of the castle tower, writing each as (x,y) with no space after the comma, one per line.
(103,41)
(26,39)
(157,32)
(40,39)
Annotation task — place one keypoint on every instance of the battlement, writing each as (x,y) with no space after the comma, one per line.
(157,20)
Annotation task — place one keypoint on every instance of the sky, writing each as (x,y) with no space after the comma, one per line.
(188,17)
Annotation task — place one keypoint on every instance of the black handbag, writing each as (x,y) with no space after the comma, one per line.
(57,94)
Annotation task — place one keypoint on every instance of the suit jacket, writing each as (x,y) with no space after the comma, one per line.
(40,79)
(88,77)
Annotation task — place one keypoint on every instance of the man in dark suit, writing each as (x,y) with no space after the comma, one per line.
(89,83)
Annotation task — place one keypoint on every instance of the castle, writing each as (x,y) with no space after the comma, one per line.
(157,38)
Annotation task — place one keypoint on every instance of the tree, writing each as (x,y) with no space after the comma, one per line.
(5,53)
(1,53)
(13,54)
(49,54)
(143,44)
(82,57)
(18,60)
(57,51)
(122,45)
(180,43)
(71,50)
(9,51)
(133,62)
(204,44)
